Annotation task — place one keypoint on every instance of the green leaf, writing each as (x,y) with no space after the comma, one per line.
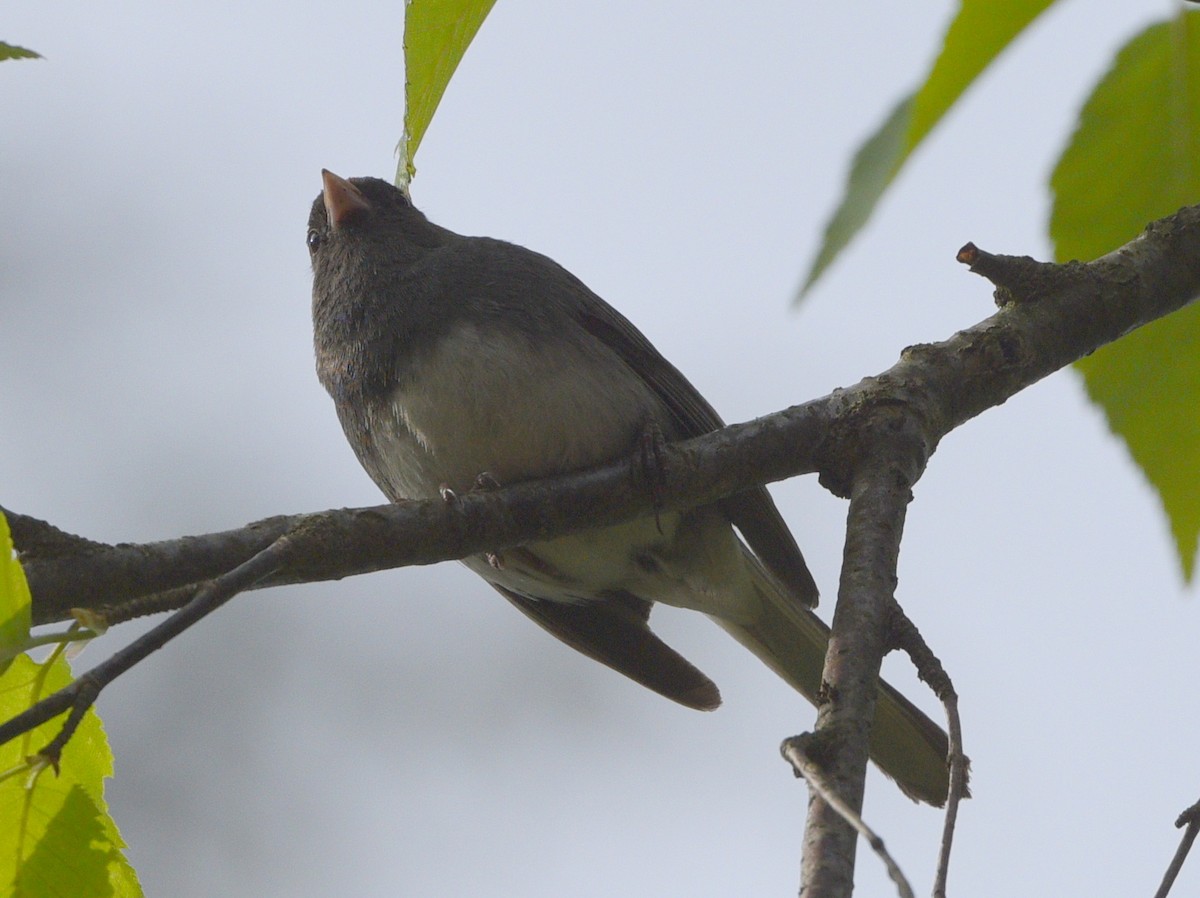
(56,837)
(14,600)
(978,34)
(874,166)
(436,35)
(9,51)
(1135,157)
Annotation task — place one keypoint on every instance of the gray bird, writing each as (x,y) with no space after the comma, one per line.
(451,356)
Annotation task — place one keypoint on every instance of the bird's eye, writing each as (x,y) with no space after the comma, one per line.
(313,239)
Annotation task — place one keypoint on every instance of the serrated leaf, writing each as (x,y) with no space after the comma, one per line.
(66,854)
(436,35)
(56,837)
(1135,157)
(979,33)
(9,51)
(14,600)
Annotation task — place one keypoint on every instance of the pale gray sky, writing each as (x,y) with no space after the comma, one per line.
(409,733)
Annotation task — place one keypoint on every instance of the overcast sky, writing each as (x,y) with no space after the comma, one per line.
(409,733)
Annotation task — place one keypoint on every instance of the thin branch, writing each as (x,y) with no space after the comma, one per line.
(794,750)
(82,693)
(959,767)
(908,638)
(1189,820)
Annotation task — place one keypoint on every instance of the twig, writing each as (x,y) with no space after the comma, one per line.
(1018,278)
(794,751)
(1191,820)
(908,638)
(82,693)
(959,767)
(152,603)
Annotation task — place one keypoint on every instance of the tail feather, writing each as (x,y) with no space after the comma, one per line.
(791,640)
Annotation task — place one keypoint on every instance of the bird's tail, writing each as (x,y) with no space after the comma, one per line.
(791,640)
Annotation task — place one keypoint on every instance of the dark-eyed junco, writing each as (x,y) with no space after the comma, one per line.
(450,356)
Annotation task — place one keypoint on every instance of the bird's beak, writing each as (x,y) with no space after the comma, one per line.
(343,201)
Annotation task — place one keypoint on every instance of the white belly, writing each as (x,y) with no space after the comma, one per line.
(472,409)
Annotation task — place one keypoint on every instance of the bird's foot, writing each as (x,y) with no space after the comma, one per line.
(485,482)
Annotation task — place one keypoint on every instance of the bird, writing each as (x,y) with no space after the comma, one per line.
(452,358)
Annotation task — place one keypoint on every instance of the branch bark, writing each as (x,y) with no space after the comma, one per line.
(859,641)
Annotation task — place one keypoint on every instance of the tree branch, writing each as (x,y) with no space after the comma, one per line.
(795,752)
(1189,822)
(1064,313)
(860,638)
(345,542)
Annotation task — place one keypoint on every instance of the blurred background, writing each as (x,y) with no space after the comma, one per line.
(409,733)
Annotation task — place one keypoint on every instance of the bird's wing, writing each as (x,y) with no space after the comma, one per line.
(753,511)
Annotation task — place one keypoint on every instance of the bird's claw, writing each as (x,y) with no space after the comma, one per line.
(485,482)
